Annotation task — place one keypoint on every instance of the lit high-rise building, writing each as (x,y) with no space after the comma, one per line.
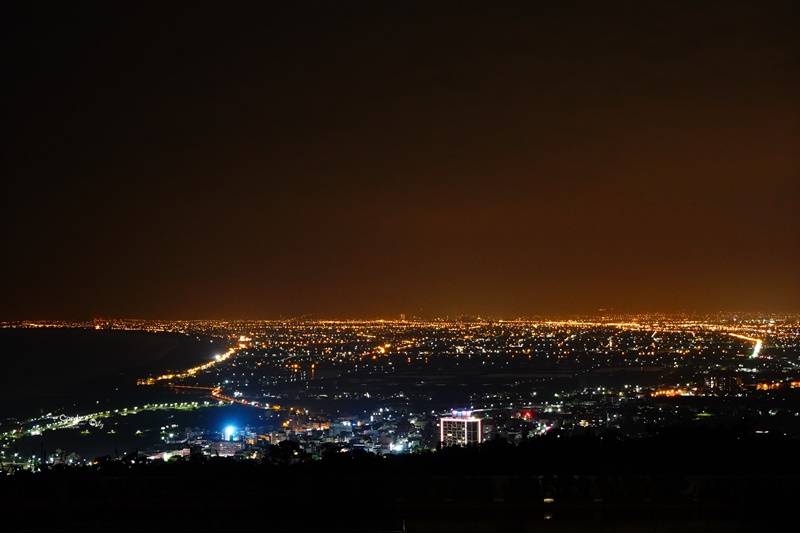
(460,429)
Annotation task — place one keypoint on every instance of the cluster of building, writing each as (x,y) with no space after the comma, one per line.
(407,385)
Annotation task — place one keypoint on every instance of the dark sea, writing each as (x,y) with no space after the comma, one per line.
(79,371)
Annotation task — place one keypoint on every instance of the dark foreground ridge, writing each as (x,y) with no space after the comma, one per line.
(677,480)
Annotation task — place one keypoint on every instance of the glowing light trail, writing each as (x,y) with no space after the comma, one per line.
(191,371)
(751,339)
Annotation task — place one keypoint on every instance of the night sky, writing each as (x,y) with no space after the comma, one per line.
(506,159)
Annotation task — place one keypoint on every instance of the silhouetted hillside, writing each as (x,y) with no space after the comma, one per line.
(696,477)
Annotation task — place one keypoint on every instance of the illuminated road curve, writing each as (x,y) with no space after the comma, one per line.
(751,339)
(192,371)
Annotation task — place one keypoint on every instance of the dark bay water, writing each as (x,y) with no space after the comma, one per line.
(70,372)
(52,369)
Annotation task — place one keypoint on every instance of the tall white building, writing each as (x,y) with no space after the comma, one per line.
(460,429)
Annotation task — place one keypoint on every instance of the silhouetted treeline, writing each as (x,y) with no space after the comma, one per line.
(702,474)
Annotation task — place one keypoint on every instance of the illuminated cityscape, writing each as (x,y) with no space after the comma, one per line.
(385,385)
(291,393)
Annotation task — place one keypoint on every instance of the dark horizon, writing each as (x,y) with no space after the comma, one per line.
(360,160)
